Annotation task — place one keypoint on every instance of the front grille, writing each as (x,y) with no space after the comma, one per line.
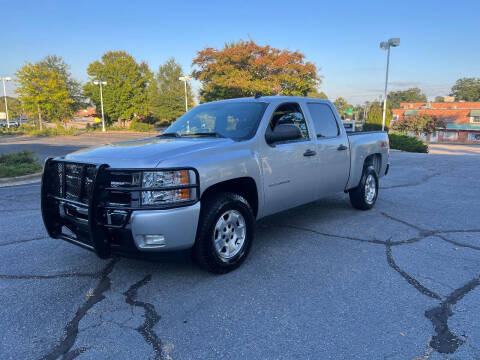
(71,181)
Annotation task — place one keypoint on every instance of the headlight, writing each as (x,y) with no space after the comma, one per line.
(179,180)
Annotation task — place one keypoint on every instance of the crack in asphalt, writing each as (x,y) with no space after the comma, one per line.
(416,183)
(23,241)
(45,277)
(73,354)
(151,316)
(458,243)
(70,331)
(17,210)
(444,341)
(411,280)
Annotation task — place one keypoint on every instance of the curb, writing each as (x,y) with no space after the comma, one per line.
(21,180)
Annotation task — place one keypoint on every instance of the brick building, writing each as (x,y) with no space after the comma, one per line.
(462,119)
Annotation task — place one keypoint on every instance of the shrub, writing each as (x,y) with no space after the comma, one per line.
(418,124)
(407,143)
(141,127)
(373,127)
(163,123)
(17,164)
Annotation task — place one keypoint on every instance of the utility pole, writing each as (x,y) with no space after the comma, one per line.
(386,45)
(98,82)
(185,78)
(5,96)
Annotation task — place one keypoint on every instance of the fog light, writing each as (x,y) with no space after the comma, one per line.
(154,240)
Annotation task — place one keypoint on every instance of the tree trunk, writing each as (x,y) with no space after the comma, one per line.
(39,116)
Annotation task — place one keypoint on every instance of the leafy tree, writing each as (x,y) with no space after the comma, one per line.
(167,100)
(418,124)
(47,88)
(244,68)
(409,95)
(317,94)
(467,89)
(125,94)
(14,107)
(342,106)
(439,99)
(375,114)
(358,112)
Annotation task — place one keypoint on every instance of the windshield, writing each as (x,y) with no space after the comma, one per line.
(234,120)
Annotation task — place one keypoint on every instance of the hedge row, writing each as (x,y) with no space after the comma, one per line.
(407,143)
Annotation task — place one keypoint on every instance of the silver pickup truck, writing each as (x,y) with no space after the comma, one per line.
(204,181)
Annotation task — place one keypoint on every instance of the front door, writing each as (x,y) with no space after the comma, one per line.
(289,168)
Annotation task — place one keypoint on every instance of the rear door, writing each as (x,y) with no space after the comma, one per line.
(290,169)
(332,148)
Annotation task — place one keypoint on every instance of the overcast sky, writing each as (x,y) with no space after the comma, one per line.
(440,41)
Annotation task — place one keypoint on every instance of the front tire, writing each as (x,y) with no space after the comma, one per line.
(364,196)
(225,233)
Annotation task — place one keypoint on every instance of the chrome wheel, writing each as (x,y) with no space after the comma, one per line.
(229,235)
(370,189)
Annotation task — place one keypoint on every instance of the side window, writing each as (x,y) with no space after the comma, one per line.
(290,113)
(324,120)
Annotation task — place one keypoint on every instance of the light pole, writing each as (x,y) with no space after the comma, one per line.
(386,45)
(185,78)
(98,82)
(5,96)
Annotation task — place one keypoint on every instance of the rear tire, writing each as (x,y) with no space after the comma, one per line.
(225,233)
(364,196)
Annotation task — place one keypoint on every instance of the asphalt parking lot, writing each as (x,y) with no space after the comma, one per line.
(323,281)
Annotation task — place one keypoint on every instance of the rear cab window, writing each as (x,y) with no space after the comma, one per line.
(324,121)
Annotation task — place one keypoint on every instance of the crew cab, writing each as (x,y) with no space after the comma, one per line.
(204,181)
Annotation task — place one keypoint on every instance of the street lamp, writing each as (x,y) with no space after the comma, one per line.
(386,45)
(7,78)
(185,78)
(98,82)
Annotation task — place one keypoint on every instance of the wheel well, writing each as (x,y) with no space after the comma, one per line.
(374,160)
(244,186)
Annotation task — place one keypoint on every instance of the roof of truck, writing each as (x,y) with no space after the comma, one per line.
(276,98)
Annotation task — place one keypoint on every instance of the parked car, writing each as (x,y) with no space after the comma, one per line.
(11,123)
(204,181)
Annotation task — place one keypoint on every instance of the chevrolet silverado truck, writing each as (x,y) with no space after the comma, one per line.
(207,178)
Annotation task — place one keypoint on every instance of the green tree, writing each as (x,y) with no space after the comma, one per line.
(14,107)
(167,99)
(467,89)
(125,94)
(418,124)
(375,115)
(317,94)
(342,106)
(47,88)
(244,68)
(439,99)
(410,95)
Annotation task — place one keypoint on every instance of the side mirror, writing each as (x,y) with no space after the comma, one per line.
(283,132)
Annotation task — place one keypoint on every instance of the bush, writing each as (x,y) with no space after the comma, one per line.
(407,143)
(34,130)
(141,127)
(163,123)
(20,163)
(373,127)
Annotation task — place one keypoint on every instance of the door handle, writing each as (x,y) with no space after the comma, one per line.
(309,153)
(342,147)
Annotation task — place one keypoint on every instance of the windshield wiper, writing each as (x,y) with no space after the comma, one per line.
(170,134)
(216,134)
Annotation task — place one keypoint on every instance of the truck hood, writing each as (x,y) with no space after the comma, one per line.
(145,153)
